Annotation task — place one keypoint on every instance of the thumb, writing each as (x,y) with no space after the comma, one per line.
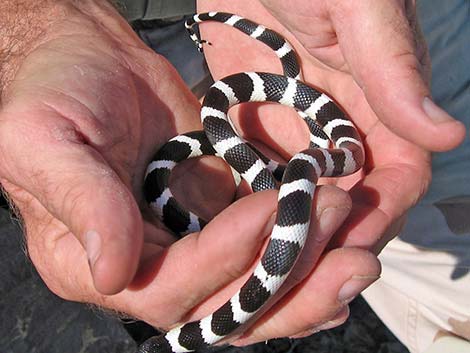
(383,47)
(77,187)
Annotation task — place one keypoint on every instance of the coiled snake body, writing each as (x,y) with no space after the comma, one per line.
(327,123)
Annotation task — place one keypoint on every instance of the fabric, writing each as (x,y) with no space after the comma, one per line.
(155,9)
(449,344)
(172,41)
(424,291)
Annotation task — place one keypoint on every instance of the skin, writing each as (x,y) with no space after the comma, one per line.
(84,105)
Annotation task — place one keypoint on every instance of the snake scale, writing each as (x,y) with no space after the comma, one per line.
(328,124)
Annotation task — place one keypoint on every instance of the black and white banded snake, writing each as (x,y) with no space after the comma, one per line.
(327,124)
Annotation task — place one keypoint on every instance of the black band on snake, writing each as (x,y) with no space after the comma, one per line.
(326,122)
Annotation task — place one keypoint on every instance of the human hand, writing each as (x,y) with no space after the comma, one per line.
(80,115)
(83,108)
(367,75)
(397,171)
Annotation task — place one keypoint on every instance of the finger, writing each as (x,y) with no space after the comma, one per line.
(78,188)
(322,297)
(337,320)
(379,46)
(332,205)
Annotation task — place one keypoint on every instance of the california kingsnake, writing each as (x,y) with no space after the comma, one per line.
(325,120)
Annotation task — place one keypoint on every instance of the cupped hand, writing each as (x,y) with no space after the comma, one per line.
(80,118)
(370,56)
(78,122)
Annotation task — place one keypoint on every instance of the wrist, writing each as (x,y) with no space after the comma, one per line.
(25,25)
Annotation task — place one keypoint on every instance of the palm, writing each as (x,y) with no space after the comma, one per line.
(107,105)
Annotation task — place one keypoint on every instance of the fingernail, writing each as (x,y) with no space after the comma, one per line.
(352,288)
(268,228)
(93,247)
(435,113)
(330,219)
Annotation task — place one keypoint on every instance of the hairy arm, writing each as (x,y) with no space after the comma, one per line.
(23,25)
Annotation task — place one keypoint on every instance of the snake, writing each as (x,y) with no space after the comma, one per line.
(335,149)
